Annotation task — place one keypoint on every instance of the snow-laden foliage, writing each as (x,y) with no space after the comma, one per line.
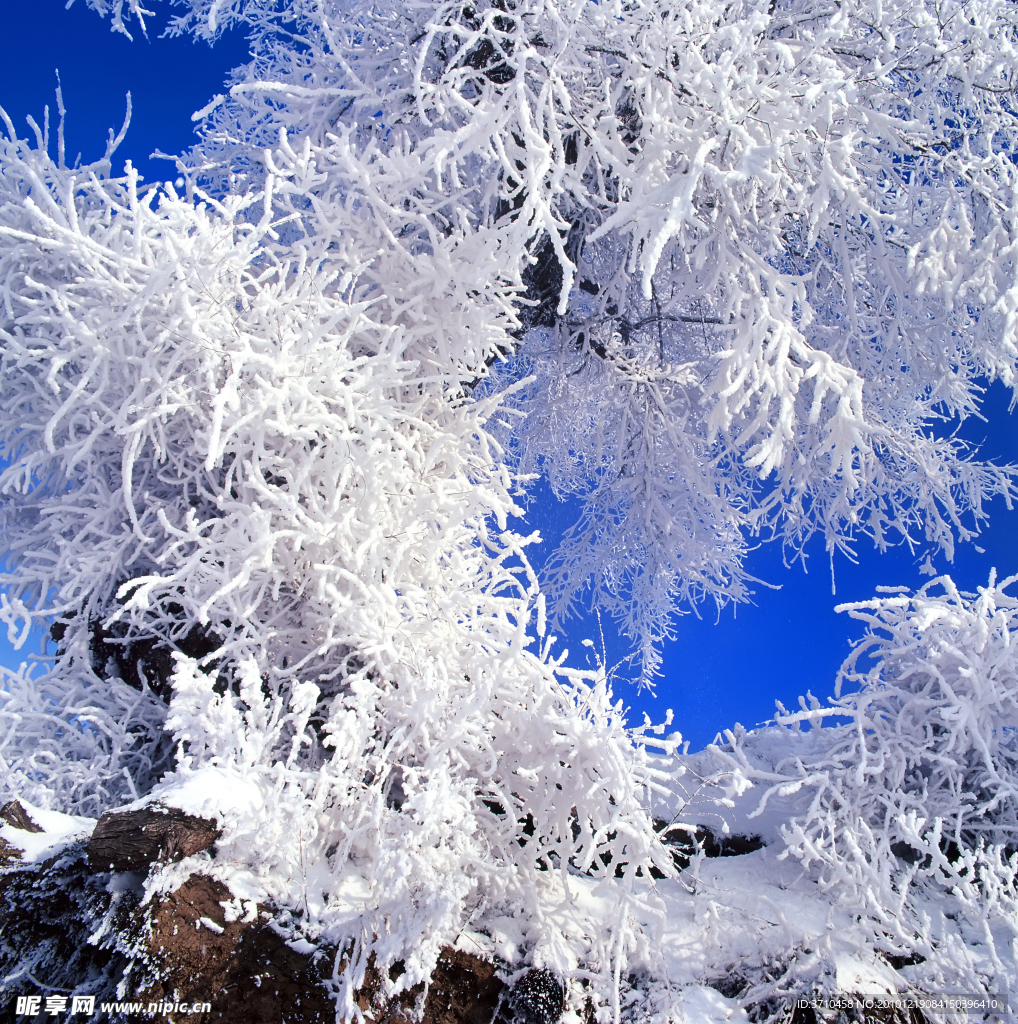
(713,270)
(240,498)
(779,234)
(120,12)
(906,807)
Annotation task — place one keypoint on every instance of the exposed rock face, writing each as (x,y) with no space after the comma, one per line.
(244,969)
(132,840)
(684,843)
(61,923)
(84,931)
(464,990)
(48,912)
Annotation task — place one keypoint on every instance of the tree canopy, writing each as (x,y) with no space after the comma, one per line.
(719,271)
(752,255)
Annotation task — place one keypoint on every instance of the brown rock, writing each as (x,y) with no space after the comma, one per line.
(17,817)
(131,840)
(180,949)
(464,990)
(245,971)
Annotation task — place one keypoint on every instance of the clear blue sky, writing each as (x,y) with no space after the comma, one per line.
(718,671)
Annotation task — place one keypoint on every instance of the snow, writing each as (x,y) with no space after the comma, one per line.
(226,793)
(58,831)
(263,434)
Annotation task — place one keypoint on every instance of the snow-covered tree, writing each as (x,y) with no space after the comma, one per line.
(276,548)
(906,787)
(756,251)
(714,270)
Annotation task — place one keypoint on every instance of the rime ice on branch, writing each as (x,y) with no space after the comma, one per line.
(715,270)
(272,532)
(756,251)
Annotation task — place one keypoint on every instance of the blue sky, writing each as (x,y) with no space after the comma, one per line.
(733,666)
(720,669)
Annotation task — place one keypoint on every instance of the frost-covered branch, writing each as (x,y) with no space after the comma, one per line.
(907,786)
(808,210)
